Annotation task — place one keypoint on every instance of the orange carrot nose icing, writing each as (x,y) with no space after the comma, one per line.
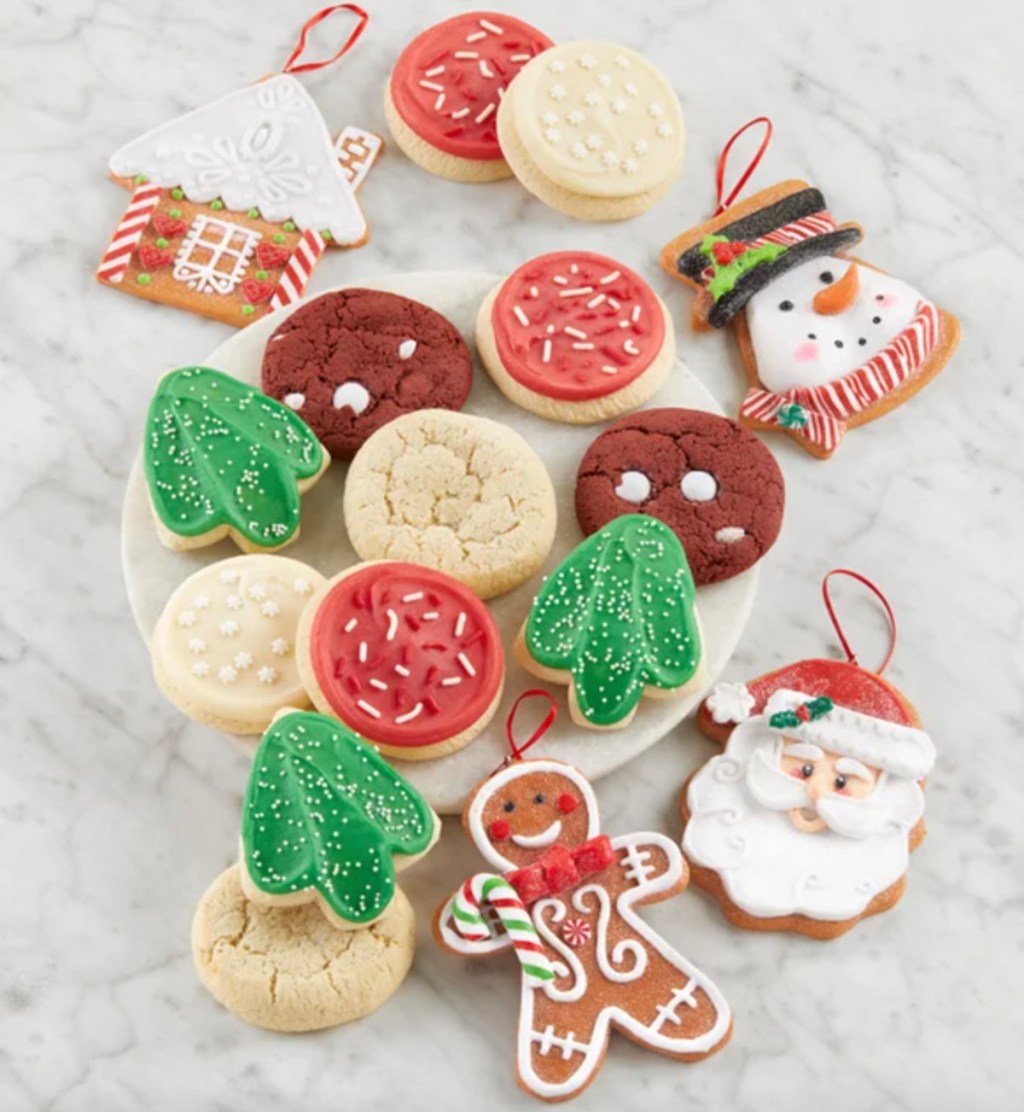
(838,297)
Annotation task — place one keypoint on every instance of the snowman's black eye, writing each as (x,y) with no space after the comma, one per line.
(862,341)
(839,343)
(826,277)
(509,805)
(785,306)
(879,296)
(812,335)
(876,320)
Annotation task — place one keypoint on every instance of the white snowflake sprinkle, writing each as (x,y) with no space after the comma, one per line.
(592,99)
(302,586)
(555,66)
(552,134)
(270,609)
(280,647)
(630,88)
(618,106)
(622,61)
(266,674)
(654,109)
(557,92)
(665,130)
(233,602)
(201,602)
(186,618)
(641,146)
(549,118)
(227,674)
(229,576)
(200,668)
(610,158)
(578,150)
(243,660)
(257,591)
(229,628)
(629,165)
(575,117)
(587,61)
(196,645)
(604,80)
(594,142)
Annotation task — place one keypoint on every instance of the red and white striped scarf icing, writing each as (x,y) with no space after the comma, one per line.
(827,408)
(809,227)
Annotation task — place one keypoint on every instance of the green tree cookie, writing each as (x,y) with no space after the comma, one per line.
(219,453)
(617,615)
(323,810)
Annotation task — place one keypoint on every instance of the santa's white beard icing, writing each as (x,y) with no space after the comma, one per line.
(740,828)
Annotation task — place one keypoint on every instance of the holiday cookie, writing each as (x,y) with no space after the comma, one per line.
(594,130)
(461,494)
(829,342)
(442,98)
(352,360)
(233,204)
(224,647)
(575,337)
(713,483)
(616,621)
(327,820)
(222,460)
(408,657)
(290,968)
(563,897)
(805,823)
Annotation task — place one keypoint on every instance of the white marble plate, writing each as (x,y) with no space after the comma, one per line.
(152,572)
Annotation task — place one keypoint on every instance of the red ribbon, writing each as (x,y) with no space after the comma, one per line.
(720,204)
(300,46)
(516,751)
(830,608)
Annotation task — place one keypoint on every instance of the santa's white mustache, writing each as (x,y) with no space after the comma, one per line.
(778,791)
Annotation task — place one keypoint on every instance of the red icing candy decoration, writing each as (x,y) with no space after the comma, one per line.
(448,82)
(500,830)
(567,803)
(255,291)
(153,258)
(575,326)
(269,255)
(405,655)
(168,226)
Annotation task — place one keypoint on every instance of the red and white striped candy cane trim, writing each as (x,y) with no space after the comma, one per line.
(300,266)
(128,233)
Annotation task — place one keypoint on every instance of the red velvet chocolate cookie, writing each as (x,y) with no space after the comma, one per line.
(711,481)
(352,360)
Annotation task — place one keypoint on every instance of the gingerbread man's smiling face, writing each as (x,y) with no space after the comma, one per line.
(524,809)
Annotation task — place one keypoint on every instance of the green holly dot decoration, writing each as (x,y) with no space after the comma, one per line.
(161,242)
(216,205)
(253,214)
(248,310)
(326,236)
(323,810)
(261,276)
(175,213)
(618,615)
(279,237)
(178,194)
(220,453)
(144,279)
(141,179)
(289,226)
(792,416)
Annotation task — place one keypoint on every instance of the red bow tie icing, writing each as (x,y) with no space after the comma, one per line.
(560,868)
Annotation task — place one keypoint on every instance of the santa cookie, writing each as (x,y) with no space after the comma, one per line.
(575,337)
(223,460)
(829,342)
(616,621)
(563,899)
(806,821)
(594,130)
(224,647)
(464,495)
(352,360)
(713,483)
(442,98)
(233,204)
(406,656)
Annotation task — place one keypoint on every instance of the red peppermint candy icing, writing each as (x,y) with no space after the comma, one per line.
(448,82)
(574,326)
(405,655)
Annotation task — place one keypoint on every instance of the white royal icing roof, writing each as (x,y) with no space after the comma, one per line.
(265,146)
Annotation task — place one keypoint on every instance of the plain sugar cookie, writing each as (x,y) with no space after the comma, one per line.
(594,130)
(575,337)
(464,495)
(289,968)
(224,647)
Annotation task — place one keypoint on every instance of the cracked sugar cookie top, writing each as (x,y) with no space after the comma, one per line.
(461,494)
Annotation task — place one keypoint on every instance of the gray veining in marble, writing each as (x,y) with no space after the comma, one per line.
(115,812)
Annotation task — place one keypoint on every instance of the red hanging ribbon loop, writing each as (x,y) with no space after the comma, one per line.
(516,751)
(830,608)
(300,46)
(720,204)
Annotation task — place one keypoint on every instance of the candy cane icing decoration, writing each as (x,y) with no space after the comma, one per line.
(300,266)
(470,923)
(128,233)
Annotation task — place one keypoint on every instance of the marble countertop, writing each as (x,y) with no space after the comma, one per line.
(116,812)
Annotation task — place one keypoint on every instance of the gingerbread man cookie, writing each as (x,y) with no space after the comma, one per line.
(563,898)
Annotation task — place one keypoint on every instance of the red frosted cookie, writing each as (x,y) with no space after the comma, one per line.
(443,96)
(711,481)
(575,337)
(352,360)
(404,655)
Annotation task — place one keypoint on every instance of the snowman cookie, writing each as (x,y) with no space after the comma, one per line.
(406,656)
(829,342)
(715,485)
(562,897)
(224,647)
(594,130)
(575,337)
(352,360)
(442,99)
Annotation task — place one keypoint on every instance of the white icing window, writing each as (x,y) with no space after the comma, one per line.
(214,255)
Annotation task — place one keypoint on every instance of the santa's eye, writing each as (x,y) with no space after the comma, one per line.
(786,305)
(699,486)
(407,349)
(508,806)
(807,771)
(827,277)
(840,782)
(539,797)
(634,486)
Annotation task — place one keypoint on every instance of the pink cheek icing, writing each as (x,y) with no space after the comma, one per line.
(806,351)
(887,300)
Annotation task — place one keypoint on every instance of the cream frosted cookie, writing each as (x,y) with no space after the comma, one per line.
(464,495)
(594,130)
(408,657)
(224,647)
(575,337)
(442,98)
(289,968)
